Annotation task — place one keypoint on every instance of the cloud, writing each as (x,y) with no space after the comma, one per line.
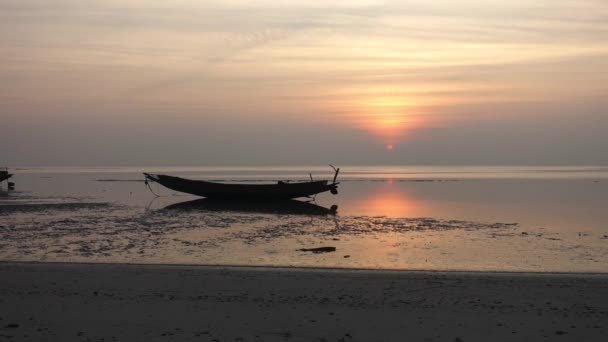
(313,61)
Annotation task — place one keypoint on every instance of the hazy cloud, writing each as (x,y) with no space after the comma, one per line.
(93,81)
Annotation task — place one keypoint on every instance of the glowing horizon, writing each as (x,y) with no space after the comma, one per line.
(108,81)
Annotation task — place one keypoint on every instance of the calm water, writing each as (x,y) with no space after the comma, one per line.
(437,218)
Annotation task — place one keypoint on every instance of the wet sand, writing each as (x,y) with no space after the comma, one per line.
(496,219)
(113,302)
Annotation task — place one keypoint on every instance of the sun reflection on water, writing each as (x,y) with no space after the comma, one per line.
(389,200)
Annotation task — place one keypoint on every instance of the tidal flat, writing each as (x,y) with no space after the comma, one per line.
(528,220)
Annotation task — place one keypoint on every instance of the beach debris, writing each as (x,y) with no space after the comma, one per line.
(318,250)
(346,256)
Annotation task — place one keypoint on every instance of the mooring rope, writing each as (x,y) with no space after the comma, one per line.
(150,188)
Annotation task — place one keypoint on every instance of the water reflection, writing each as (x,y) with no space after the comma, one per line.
(386,199)
(289,207)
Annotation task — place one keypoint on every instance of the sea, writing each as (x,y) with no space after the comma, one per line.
(503,219)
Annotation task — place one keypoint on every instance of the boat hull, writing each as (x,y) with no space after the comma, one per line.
(281,190)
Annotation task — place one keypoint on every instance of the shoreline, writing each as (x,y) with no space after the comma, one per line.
(105,302)
(270,268)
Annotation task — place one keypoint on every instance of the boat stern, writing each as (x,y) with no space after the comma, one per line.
(333,188)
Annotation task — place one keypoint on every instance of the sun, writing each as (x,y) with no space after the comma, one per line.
(389,118)
(387,114)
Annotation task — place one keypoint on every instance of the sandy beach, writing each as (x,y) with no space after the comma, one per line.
(310,171)
(113,302)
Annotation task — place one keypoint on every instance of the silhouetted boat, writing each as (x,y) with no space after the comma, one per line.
(280,190)
(4,175)
(285,207)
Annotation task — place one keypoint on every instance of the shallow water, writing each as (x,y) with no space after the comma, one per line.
(434,218)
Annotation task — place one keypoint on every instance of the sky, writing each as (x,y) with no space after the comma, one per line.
(188,82)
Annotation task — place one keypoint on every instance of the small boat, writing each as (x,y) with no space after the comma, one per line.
(4,175)
(280,207)
(280,190)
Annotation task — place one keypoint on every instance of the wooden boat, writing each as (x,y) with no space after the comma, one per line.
(4,175)
(280,207)
(280,190)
